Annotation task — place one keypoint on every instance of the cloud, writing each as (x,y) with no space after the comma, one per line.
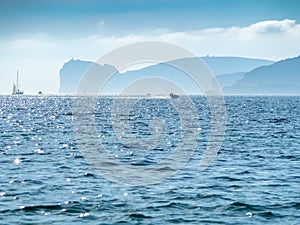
(273,39)
(100,24)
(273,26)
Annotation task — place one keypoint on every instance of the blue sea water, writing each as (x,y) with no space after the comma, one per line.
(44,178)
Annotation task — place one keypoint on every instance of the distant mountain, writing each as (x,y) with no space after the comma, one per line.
(228,69)
(229,65)
(282,77)
(72,72)
(70,75)
(227,80)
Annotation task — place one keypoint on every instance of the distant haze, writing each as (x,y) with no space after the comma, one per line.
(73,71)
(38,37)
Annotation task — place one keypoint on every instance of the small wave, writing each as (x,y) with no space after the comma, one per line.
(139,216)
(237,206)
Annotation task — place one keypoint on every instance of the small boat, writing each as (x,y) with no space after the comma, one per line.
(16,89)
(173,95)
(40,93)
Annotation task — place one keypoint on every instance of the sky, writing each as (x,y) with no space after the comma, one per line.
(38,36)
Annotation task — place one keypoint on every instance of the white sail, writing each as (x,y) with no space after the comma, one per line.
(14,89)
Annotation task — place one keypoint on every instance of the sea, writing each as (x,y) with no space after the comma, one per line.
(49,175)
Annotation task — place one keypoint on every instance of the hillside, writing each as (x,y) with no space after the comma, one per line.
(282,77)
(229,65)
(228,70)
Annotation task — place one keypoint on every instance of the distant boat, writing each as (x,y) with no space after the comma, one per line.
(16,89)
(40,93)
(173,95)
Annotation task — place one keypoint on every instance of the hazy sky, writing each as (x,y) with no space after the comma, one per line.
(38,37)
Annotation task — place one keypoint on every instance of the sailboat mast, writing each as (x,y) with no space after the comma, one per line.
(17,80)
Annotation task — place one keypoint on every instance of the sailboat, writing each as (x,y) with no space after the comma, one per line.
(16,89)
